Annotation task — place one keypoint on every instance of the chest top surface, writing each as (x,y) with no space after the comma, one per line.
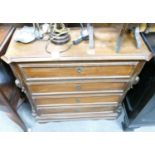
(105,41)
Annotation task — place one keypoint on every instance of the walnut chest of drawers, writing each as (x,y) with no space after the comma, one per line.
(79,83)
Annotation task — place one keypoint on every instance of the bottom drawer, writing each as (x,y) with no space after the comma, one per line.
(76,109)
(75,113)
(90,106)
(66,117)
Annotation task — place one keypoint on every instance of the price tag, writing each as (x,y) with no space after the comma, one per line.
(91,51)
(55,54)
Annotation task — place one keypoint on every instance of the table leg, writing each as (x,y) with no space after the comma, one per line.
(12,112)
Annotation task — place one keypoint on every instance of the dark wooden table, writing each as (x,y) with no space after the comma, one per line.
(10,96)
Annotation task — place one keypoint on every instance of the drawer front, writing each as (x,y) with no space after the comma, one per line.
(44,101)
(76,116)
(75,87)
(75,110)
(44,71)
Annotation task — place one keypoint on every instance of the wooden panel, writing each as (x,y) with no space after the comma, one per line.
(8,90)
(105,42)
(76,110)
(75,116)
(81,70)
(76,99)
(75,87)
(76,113)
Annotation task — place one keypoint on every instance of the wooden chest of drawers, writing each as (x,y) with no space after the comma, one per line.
(77,84)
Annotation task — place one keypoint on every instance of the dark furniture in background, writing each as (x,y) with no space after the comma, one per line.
(139,103)
(6,33)
(10,96)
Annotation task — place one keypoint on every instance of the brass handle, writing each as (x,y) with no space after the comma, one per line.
(79,69)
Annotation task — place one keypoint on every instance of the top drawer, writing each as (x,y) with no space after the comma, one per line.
(58,71)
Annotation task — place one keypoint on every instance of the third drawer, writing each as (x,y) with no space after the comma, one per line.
(74,87)
(88,99)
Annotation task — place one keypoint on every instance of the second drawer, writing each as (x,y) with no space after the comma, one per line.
(73,87)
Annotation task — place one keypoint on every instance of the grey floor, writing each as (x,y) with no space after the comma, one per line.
(6,125)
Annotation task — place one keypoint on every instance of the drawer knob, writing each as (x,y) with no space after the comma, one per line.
(78,87)
(79,69)
(77,100)
(77,110)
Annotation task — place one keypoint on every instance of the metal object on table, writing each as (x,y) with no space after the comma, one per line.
(87,33)
(59,34)
(134,28)
(83,35)
(91,35)
(120,37)
(136,33)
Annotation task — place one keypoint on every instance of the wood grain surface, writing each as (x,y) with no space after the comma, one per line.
(105,40)
(79,83)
